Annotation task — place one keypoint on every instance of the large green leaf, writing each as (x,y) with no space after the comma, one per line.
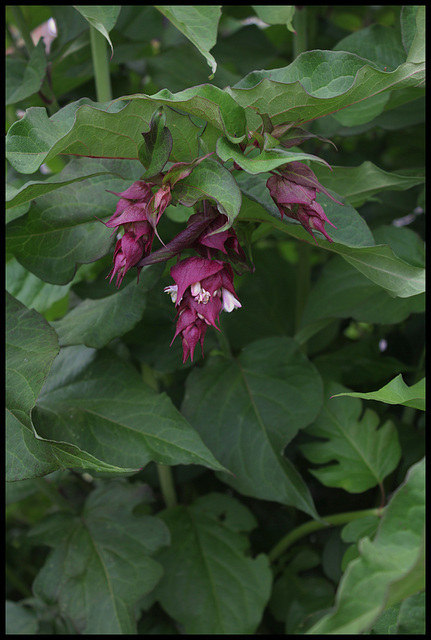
(359,184)
(362,453)
(198,23)
(101,560)
(395,392)
(249,408)
(113,130)
(96,322)
(318,83)
(32,345)
(389,569)
(61,229)
(343,292)
(228,590)
(100,404)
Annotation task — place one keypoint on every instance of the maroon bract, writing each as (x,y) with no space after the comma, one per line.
(138,212)
(294,193)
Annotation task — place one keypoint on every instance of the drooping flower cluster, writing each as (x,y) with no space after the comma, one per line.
(294,193)
(138,212)
(203,284)
(203,288)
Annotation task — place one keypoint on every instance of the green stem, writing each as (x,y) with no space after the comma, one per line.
(300,26)
(314,525)
(167,485)
(101,66)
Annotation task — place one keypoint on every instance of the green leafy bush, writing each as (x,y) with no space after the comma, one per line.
(245,454)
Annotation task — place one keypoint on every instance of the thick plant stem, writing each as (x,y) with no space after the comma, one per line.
(101,66)
(167,485)
(314,525)
(300,26)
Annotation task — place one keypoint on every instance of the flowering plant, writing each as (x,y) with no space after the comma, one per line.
(215,318)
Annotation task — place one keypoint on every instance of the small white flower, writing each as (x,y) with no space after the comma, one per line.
(173,291)
(229,301)
(195,288)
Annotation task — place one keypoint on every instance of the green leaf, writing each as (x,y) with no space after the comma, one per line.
(25,77)
(102,18)
(61,229)
(198,23)
(31,346)
(395,392)
(417,48)
(265,161)
(390,568)
(377,43)
(318,83)
(229,590)
(95,323)
(359,184)
(210,180)
(276,14)
(113,130)
(20,620)
(100,404)
(364,453)
(248,409)
(343,292)
(101,563)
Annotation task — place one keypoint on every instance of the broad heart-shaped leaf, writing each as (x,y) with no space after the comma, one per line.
(113,130)
(265,161)
(31,347)
(101,560)
(359,184)
(210,180)
(390,568)
(198,23)
(318,83)
(95,323)
(395,392)
(364,453)
(249,408)
(100,404)
(61,230)
(352,238)
(210,585)
(25,77)
(101,18)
